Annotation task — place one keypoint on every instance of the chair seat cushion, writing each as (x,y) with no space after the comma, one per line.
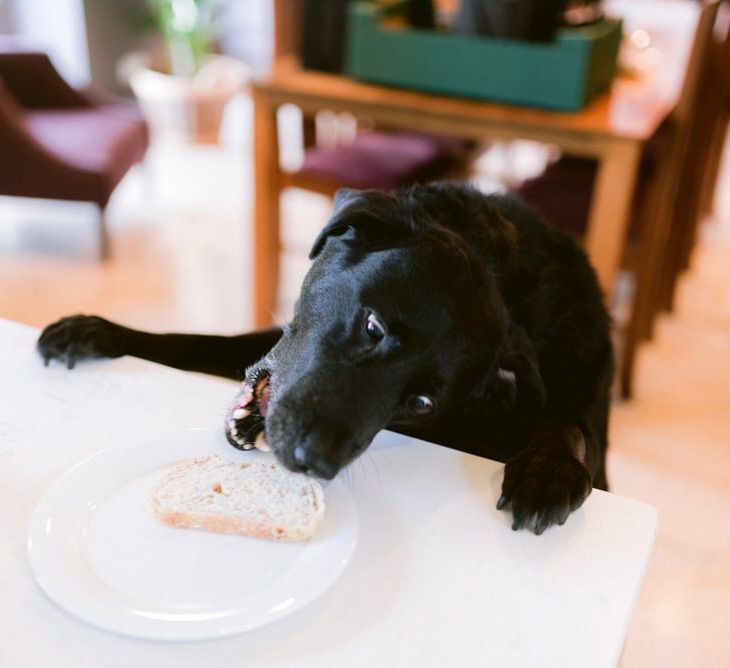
(383,160)
(105,140)
(563,192)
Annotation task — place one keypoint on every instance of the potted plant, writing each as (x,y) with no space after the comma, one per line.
(184,86)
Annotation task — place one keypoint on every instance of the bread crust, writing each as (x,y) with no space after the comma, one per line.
(219,522)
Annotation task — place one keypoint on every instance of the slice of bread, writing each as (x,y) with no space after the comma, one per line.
(258,498)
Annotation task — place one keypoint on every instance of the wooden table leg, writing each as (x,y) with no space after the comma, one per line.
(611,210)
(266,210)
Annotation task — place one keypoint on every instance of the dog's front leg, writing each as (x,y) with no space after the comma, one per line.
(547,480)
(82,337)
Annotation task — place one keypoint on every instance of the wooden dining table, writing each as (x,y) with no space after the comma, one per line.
(613,129)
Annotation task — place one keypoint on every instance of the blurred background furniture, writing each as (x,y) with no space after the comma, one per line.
(59,142)
(373,157)
(699,178)
(613,130)
(671,178)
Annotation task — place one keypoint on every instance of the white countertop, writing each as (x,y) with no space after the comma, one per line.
(438,577)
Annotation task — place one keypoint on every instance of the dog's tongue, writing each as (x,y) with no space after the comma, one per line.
(249,396)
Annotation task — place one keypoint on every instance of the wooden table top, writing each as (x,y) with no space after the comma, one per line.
(631,109)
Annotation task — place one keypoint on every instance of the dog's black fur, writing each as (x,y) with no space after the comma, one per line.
(437,311)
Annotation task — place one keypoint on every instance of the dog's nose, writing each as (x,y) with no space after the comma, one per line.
(308,462)
(300,455)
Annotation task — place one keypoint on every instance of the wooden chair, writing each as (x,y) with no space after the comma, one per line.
(381,158)
(707,137)
(674,196)
(663,190)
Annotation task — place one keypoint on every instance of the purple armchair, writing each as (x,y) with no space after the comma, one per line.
(57,142)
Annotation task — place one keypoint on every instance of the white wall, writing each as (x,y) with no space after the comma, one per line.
(57,26)
(6,22)
(246,31)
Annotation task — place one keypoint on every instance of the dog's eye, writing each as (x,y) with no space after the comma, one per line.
(374,328)
(420,405)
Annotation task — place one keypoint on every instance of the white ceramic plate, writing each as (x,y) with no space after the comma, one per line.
(97,551)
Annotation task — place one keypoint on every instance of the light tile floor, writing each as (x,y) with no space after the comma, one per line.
(181,252)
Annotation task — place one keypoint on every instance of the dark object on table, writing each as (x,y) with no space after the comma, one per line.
(59,142)
(530,20)
(420,14)
(323,34)
(324,29)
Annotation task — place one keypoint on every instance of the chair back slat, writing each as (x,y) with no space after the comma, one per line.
(699,61)
(702,133)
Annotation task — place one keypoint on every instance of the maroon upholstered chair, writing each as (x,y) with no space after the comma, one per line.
(381,160)
(58,142)
(563,192)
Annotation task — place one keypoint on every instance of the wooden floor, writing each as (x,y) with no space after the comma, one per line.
(180,232)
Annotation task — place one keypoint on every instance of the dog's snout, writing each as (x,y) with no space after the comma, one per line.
(311,431)
(307,460)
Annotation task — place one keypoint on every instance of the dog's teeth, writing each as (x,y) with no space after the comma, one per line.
(241,413)
(240,440)
(261,442)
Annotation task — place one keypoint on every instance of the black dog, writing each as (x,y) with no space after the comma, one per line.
(437,311)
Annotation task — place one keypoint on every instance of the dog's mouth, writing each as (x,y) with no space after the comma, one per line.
(298,445)
(246,416)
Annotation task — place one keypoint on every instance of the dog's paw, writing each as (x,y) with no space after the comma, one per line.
(80,337)
(246,416)
(542,487)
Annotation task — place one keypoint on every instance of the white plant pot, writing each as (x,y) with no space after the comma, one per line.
(184,108)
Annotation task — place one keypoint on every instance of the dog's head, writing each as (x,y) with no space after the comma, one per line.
(398,321)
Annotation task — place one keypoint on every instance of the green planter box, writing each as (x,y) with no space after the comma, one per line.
(563,75)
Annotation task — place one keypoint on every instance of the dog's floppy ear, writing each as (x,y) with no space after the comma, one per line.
(337,224)
(344,197)
(360,219)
